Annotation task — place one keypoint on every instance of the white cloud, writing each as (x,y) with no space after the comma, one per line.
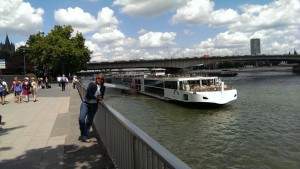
(108,36)
(18,17)
(227,43)
(106,18)
(278,14)
(276,24)
(98,53)
(77,18)
(231,39)
(22,43)
(157,40)
(106,39)
(146,8)
(85,22)
(91,45)
(194,12)
(197,12)
(223,17)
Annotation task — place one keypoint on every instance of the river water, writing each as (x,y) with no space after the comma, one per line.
(261,129)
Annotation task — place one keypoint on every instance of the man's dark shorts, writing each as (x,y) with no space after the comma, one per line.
(3,93)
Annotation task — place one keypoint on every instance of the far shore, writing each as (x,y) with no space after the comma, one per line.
(286,68)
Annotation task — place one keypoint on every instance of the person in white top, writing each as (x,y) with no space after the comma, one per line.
(74,81)
(3,90)
(64,80)
(58,80)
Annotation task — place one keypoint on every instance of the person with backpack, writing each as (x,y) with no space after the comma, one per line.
(63,81)
(3,90)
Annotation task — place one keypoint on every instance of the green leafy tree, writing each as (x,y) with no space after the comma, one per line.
(58,52)
(4,54)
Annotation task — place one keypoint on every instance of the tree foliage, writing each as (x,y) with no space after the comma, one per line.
(59,51)
(4,54)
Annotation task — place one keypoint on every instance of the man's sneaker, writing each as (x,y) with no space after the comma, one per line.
(84,139)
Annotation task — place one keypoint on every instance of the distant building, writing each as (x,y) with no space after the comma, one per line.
(7,45)
(255,46)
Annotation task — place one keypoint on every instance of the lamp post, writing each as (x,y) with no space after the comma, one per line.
(24,63)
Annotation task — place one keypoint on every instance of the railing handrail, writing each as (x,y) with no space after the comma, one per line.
(162,153)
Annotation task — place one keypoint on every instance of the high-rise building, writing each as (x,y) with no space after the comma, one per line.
(255,46)
(7,45)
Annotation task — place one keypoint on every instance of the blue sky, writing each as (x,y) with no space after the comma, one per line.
(147,29)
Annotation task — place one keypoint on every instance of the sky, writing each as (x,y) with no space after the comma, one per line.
(117,30)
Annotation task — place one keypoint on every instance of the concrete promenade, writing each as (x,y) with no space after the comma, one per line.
(43,134)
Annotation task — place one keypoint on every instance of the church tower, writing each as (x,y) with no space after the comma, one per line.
(7,45)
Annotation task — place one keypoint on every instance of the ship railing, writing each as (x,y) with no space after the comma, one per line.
(129,146)
(198,88)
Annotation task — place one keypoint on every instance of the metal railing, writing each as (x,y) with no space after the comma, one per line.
(128,146)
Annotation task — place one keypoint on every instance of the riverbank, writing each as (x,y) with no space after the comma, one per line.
(288,68)
(281,68)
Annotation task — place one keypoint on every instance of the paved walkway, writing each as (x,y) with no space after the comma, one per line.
(43,134)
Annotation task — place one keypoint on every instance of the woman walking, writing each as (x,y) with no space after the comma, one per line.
(26,89)
(14,83)
(17,91)
(34,88)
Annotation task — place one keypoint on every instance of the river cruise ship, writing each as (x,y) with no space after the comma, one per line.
(192,90)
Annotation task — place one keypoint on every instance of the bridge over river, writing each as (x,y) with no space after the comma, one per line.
(181,63)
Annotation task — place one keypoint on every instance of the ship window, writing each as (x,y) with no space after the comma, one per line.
(154,90)
(180,85)
(185,97)
(155,83)
(194,83)
(206,82)
(171,84)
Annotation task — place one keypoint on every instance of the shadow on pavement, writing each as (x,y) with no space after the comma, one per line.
(81,159)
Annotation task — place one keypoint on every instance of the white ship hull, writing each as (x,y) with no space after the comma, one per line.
(194,90)
(214,97)
(218,94)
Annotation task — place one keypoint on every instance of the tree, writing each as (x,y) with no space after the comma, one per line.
(58,52)
(4,54)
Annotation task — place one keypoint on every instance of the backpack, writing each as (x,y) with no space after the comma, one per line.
(2,86)
(63,79)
